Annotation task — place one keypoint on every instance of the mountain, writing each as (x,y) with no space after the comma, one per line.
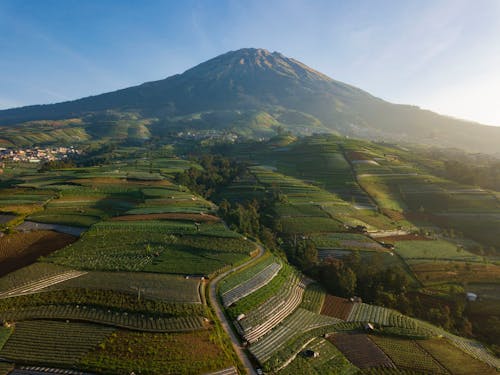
(251,92)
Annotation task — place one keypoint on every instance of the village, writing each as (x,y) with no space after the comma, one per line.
(37,154)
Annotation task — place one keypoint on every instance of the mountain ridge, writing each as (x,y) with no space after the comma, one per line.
(252,91)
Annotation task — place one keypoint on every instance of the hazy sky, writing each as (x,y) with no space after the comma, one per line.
(440,55)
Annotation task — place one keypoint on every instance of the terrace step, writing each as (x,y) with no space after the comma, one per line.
(38,285)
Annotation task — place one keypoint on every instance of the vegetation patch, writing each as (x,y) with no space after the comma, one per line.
(53,344)
(143,353)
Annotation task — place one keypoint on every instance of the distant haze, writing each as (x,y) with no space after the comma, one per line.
(440,55)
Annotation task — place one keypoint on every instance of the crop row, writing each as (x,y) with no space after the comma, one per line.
(106,317)
(313,298)
(258,314)
(256,282)
(471,347)
(52,343)
(267,316)
(362,312)
(300,321)
(237,278)
(103,299)
(408,355)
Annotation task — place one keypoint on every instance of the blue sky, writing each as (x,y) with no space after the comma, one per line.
(441,55)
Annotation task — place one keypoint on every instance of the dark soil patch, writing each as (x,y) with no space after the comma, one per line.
(336,307)
(21,249)
(360,350)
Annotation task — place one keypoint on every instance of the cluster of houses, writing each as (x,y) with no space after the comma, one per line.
(37,154)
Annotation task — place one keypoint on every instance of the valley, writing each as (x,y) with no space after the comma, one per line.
(325,254)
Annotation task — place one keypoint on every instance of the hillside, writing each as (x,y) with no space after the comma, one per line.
(249,92)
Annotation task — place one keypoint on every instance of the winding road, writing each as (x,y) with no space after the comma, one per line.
(212,294)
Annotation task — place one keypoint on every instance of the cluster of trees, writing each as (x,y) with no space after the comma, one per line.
(217,172)
(57,164)
(471,169)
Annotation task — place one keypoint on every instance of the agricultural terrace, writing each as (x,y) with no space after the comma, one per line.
(246,273)
(256,282)
(132,321)
(109,301)
(297,323)
(168,288)
(178,247)
(434,250)
(60,345)
(313,298)
(329,361)
(23,201)
(348,241)
(409,355)
(286,279)
(436,272)
(159,354)
(30,275)
(453,359)
(272,312)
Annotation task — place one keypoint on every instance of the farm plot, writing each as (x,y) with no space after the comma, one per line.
(360,350)
(103,300)
(429,273)
(292,225)
(168,288)
(299,322)
(237,278)
(30,274)
(61,344)
(330,361)
(155,246)
(433,250)
(453,359)
(23,201)
(256,282)
(336,307)
(350,241)
(40,284)
(158,354)
(6,368)
(362,312)
(265,317)
(313,298)
(20,249)
(408,355)
(79,313)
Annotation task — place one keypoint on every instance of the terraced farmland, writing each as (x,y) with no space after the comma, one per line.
(362,312)
(408,355)
(313,298)
(256,282)
(131,321)
(158,354)
(169,288)
(330,361)
(157,246)
(235,279)
(61,344)
(299,322)
(262,319)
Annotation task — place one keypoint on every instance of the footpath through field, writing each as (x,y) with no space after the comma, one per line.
(222,318)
